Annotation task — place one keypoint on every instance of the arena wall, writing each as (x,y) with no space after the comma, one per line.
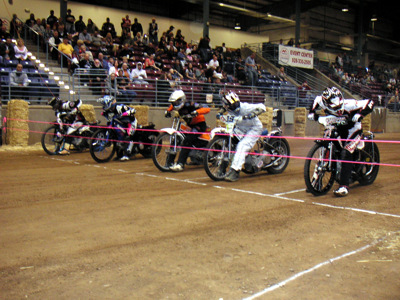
(40,118)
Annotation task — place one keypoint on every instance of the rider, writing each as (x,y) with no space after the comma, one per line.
(250,125)
(67,112)
(193,113)
(125,116)
(332,103)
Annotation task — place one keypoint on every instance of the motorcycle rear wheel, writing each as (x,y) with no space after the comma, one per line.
(164,153)
(216,158)
(318,176)
(50,144)
(102,146)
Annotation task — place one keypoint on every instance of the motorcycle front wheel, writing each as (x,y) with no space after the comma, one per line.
(280,147)
(319,173)
(51,143)
(166,150)
(102,146)
(216,158)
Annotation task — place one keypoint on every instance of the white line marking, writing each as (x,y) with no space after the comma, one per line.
(329,261)
(290,192)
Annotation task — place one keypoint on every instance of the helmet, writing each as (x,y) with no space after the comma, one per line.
(106,101)
(230,101)
(333,100)
(55,102)
(177,99)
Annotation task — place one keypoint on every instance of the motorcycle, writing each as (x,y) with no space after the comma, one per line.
(270,153)
(111,139)
(168,144)
(67,136)
(322,166)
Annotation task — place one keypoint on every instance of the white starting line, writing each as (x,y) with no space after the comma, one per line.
(280,196)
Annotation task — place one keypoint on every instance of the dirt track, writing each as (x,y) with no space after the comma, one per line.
(75,229)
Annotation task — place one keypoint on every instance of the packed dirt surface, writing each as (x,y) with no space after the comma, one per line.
(75,229)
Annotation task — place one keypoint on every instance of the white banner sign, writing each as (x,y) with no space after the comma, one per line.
(296,57)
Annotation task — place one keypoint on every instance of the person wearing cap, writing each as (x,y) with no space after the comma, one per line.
(138,75)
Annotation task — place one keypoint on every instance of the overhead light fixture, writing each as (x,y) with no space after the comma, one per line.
(233,7)
(374,18)
(345,9)
(237,26)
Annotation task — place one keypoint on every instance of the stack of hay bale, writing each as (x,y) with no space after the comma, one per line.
(17,123)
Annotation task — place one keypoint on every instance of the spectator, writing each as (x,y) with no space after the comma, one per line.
(85,63)
(108,27)
(125,88)
(109,44)
(4,34)
(282,74)
(138,40)
(97,77)
(128,39)
(19,82)
(54,41)
(70,22)
(7,49)
(97,40)
(138,75)
(189,72)
(213,64)
(38,27)
(204,49)
(86,37)
(174,76)
(240,70)
(150,64)
(21,52)
(125,71)
(125,51)
(113,66)
(91,27)
(136,27)
(251,69)
(67,50)
(153,32)
(303,89)
(103,61)
(80,25)
(15,26)
(178,67)
(125,26)
(51,19)
(31,21)
(200,73)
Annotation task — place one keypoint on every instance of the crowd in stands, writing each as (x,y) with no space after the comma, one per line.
(383,79)
(160,54)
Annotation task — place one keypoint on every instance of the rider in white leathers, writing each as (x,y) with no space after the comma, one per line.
(250,126)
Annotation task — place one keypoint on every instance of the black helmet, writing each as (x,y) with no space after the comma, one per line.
(333,100)
(231,101)
(55,102)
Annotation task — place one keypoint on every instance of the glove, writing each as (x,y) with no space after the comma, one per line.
(249,116)
(311,116)
(194,113)
(167,114)
(357,118)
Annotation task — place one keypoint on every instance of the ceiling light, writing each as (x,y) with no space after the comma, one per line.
(374,18)
(345,9)
(237,26)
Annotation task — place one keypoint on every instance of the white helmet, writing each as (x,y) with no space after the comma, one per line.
(177,99)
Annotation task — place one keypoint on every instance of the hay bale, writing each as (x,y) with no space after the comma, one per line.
(17,123)
(266,118)
(88,112)
(300,119)
(142,114)
(367,123)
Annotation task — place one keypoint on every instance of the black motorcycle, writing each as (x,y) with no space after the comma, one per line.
(322,166)
(110,140)
(67,136)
